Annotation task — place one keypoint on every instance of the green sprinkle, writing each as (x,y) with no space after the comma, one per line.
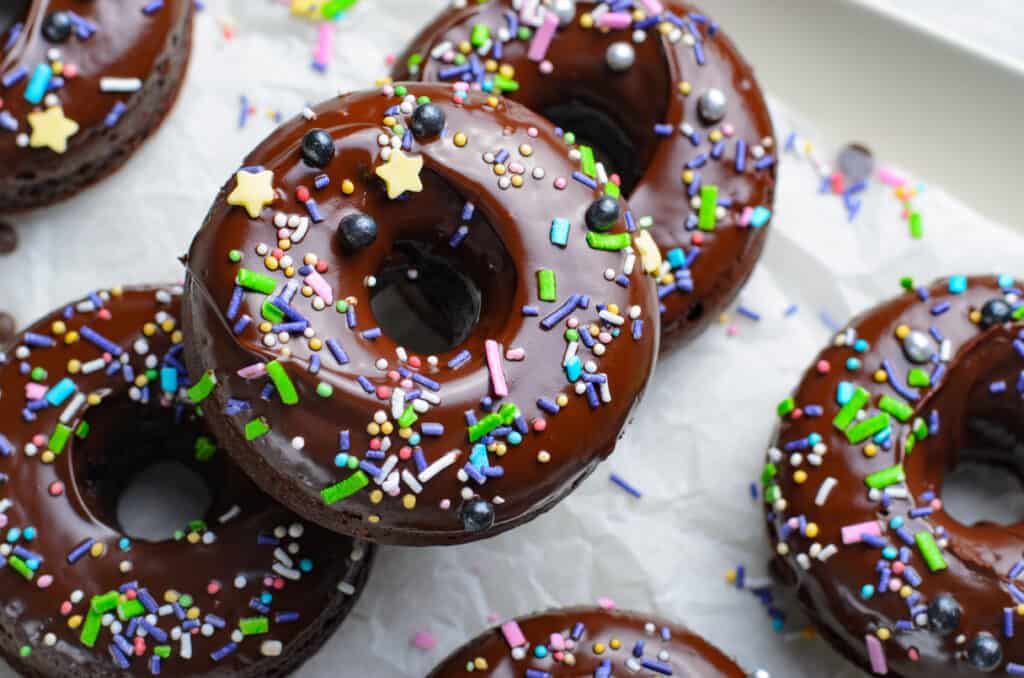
(908,444)
(907,283)
(480,34)
(24,651)
(918,377)
(408,417)
(768,473)
(162,651)
(341,306)
(324,390)
(612,189)
(708,206)
(920,429)
(91,628)
(185,601)
(483,427)
(897,407)
(234,256)
(889,476)
(572,334)
(82,432)
(38,374)
(772,494)
(587,163)
(506,84)
(524,33)
(20,567)
(867,428)
(59,438)
(345,489)
(849,412)
(283,383)
(916,230)
(271,312)
(569,137)
(205,448)
(930,551)
(130,608)
(202,389)
(193,526)
(611,242)
(105,602)
(257,282)
(401,91)
(508,413)
(785,407)
(546,283)
(332,8)
(1018,313)
(398,130)
(256,428)
(254,626)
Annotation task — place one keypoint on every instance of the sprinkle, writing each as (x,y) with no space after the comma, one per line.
(202,389)
(930,551)
(256,282)
(876,655)
(824,490)
(542,38)
(496,368)
(345,488)
(886,477)
(120,85)
(625,486)
(546,285)
(612,242)
(283,383)
(708,207)
(854,534)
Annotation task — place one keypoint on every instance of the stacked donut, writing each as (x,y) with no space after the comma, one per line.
(416,315)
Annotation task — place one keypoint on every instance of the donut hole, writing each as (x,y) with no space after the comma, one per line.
(11,12)
(423,300)
(596,128)
(138,470)
(986,485)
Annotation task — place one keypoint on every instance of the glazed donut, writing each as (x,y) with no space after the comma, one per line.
(92,396)
(853,484)
(588,642)
(661,96)
(537,334)
(82,84)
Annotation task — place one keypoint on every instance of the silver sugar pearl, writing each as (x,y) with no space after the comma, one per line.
(712,105)
(918,347)
(620,56)
(565,10)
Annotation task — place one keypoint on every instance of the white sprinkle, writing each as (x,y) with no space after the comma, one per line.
(287,573)
(186,646)
(283,557)
(441,464)
(120,85)
(827,552)
(271,648)
(827,485)
(230,514)
(410,480)
(72,409)
(611,318)
(803,561)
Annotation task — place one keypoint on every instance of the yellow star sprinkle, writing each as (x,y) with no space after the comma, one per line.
(253,192)
(51,129)
(401,173)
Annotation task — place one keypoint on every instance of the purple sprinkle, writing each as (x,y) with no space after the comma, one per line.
(459,360)
(432,429)
(337,351)
(626,486)
(365,383)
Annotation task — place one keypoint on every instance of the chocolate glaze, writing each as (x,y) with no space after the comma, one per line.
(978,557)
(127,435)
(582,88)
(508,242)
(128,43)
(689,654)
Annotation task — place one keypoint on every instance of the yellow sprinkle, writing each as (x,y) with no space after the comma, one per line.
(170,596)
(405,433)
(177,337)
(193,538)
(93,399)
(800,476)
(193,613)
(812,530)
(74,366)
(615,643)
(460,139)
(480,663)
(271,263)
(665,28)
(168,325)
(315,344)
(116,291)
(492,101)
(906,591)
(376,496)
(1020,610)
(265,327)
(715,136)
(310,259)
(587,21)
(47,457)
(58,327)
(499,169)
(501,450)
(97,550)
(883,634)
(389,121)
(71,337)
(387,428)
(599,648)
(562,400)
(285,244)
(526,150)
(975,316)
(373,519)
(74,621)
(517,181)
(373,428)
(614,308)
(730,577)
(307,291)
(543,456)
(347,187)
(507,70)
(685,88)
(491,66)
(149,329)
(902,331)
(688,176)
(141,380)
(880,376)
(870,450)
(465,47)
(289,272)
(409,501)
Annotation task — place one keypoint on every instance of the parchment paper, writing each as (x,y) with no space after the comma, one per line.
(695,445)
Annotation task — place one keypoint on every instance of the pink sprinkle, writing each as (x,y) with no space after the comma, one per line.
(104,314)
(731,330)
(748,213)
(323,45)
(546,67)
(532,132)
(515,354)
(557,642)
(283,233)
(542,38)
(389,59)
(38,440)
(539,425)
(34,391)
(561,183)
(606,603)
(728,130)
(877,655)
(461,86)
(495,367)
(254,371)
(513,634)
(44,581)
(65,608)
(891,177)
(320,286)
(616,20)
(446,504)
(852,533)
(653,6)
(213,588)
(424,640)
(69,71)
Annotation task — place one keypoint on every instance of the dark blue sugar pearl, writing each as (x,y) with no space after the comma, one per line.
(57,26)
(477,515)
(356,231)
(602,213)
(317,148)
(427,120)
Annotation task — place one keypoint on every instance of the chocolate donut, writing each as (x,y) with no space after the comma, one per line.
(853,485)
(416,326)
(662,97)
(82,84)
(588,642)
(92,396)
